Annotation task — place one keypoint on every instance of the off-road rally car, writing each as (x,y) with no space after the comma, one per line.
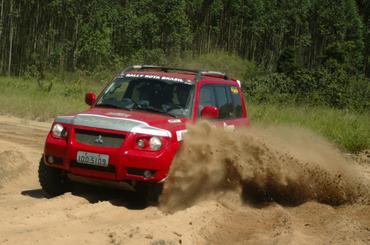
(130,134)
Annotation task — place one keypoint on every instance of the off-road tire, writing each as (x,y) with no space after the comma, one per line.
(53,181)
(149,192)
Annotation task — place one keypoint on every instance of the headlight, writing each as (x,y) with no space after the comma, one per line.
(155,143)
(58,131)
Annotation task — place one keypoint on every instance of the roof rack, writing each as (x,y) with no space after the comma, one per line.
(198,73)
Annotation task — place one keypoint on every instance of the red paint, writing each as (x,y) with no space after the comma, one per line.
(90,98)
(129,155)
(210,112)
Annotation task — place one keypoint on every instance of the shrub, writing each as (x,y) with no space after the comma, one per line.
(312,87)
(347,129)
(232,64)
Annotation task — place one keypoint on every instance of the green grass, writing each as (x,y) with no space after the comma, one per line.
(232,64)
(347,129)
(26,98)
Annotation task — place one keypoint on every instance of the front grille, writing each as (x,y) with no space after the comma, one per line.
(101,139)
(109,168)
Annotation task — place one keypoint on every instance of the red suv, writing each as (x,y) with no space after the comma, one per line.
(133,129)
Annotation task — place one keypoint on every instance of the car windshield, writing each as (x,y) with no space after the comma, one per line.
(169,97)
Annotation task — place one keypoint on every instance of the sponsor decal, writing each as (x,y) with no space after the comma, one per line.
(172,79)
(229,128)
(174,120)
(164,78)
(180,134)
(234,90)
(141,76)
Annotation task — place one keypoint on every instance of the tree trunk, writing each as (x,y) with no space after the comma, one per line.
(1,18)
(75,46)
(1,36)
(10,38)
(367,50)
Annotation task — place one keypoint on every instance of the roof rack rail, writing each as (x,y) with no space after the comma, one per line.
(198,73)
(214,73)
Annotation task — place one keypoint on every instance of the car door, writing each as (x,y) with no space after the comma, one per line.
(227,98)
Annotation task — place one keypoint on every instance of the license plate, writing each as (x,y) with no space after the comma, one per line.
(92,158)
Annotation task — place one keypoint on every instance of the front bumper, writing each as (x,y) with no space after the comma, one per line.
(125,162)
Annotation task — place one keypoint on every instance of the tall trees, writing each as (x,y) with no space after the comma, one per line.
(152,28)
(11,29)
(1,33)
(364,7)
(76,34)
(337,23)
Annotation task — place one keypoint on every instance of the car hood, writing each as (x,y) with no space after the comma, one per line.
(123,120)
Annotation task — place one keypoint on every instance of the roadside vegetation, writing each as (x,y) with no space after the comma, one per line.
(349,130)
(32,99)
(43,100)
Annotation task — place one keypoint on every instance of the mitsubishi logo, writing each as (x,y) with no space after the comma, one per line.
(99,140)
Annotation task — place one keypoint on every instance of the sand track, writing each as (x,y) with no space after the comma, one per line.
(91,215)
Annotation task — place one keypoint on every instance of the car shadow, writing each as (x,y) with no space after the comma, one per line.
(116,197)
(35,193)
(95,194)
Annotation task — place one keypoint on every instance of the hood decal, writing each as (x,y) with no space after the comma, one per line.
(113,123)
(65,119)
(151,131)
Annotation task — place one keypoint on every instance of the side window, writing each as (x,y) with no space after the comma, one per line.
(206,97)
(237,103)
(224,102)
(225,98)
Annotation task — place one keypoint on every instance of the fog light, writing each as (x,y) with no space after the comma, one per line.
(50,159)
(140,143)
(148,174)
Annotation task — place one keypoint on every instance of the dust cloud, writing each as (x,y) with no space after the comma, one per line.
(285,165)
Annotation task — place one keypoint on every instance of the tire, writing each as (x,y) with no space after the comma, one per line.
(149,192)
(53,181)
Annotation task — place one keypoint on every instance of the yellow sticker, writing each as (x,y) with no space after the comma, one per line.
(234,90)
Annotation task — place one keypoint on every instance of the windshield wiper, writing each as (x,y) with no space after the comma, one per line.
(113,106)
(152,109)
(172,114)
(107,105)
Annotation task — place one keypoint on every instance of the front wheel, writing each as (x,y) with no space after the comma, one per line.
(53,181)
(149,192)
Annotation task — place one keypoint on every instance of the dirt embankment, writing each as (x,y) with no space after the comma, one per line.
(257,186)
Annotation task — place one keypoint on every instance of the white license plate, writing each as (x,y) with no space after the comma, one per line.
(92,158)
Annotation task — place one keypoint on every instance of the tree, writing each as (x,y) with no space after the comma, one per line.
(11,33)
(76,34)
(286,62)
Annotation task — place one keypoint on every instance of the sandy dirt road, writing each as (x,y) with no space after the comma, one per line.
(91,215)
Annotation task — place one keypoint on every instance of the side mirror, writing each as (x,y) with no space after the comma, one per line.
(210,112)
(90,98)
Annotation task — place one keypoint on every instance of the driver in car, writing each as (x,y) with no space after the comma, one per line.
(181,94)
